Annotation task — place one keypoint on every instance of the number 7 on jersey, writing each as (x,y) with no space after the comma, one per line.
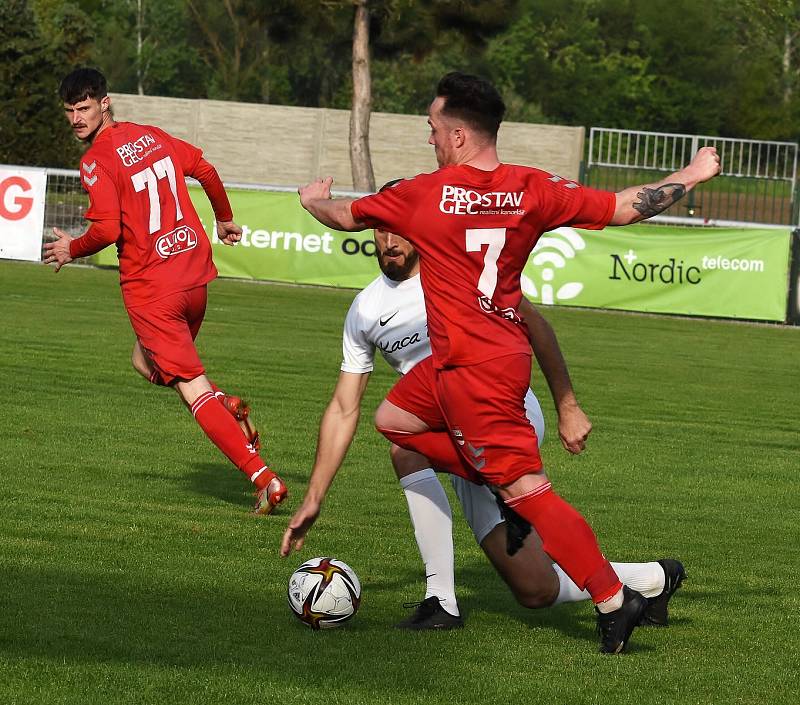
(495,238)
(148,178)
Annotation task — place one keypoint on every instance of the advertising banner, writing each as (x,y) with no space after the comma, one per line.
(729,273)
(724,272)
(22,192)
(282,242)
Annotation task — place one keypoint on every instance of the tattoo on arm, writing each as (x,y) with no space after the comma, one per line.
(655,200)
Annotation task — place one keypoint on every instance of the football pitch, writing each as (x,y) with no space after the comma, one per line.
(131,572)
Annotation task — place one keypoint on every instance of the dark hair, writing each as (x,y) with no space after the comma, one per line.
(82,84)
(473,100)
(389,184)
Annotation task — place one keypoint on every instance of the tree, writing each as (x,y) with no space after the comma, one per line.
(32,128)
(360,158)
(146,47)
(239,37)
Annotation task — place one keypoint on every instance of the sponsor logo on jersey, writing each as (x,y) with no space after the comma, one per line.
(388,347)
(384,321)
(456,200)
(488,306)
(179,240)
(133,152)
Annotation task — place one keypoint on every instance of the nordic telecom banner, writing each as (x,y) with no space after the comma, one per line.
(282,242)
(22,193)
(730,273)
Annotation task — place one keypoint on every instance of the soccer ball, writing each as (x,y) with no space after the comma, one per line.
(324,593)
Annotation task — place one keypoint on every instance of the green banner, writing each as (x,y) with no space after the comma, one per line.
(282,242)
(729,273)
(724,272)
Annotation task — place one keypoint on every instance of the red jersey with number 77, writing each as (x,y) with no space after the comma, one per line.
(134,174)
(474,231)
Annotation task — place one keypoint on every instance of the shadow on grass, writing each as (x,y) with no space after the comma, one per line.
(480,591)
(575,621)
(84,618)
(131,618)
(222,481)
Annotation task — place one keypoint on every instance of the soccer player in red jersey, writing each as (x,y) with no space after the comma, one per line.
(474,222)
(138,200)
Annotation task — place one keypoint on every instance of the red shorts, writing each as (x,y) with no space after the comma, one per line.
(166,330)
(483,408)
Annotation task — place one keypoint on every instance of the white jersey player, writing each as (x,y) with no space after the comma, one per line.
(389,316)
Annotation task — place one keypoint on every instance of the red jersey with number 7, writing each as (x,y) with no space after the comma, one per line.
(474,231)
(134,174)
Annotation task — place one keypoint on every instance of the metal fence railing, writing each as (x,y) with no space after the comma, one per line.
(757,184)
(65,203)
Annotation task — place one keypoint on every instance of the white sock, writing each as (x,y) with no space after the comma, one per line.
(433,529)
(646,578)
(611,604)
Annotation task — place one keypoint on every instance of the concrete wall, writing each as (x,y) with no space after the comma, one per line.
(273,144)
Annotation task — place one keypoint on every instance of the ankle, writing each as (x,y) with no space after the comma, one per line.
(611,604)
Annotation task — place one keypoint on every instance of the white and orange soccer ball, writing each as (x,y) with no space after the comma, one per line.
(324,593)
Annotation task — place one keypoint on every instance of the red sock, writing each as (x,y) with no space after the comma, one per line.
(436,446)
(225,433)
(568,540)
(217,391)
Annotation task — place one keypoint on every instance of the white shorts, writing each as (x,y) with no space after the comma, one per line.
(477,501)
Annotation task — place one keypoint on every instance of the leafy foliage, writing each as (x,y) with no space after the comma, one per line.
(32,129)
(725,67)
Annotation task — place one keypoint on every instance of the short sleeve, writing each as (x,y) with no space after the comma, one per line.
(391,209)
(98,182)
(358,353)
(565,202)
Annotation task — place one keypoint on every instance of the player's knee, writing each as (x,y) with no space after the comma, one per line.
(536,596)
(140,365)
(406,462)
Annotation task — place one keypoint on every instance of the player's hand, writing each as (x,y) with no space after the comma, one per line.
(295,535)
(228,232)
(317,189)
(574,428)
(57,251)
(706,164)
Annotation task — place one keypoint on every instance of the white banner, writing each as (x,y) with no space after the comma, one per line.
(22,192)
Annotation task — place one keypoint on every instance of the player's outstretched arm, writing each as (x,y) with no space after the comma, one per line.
(335,213)
(574,426)
(641,202)
(336,431)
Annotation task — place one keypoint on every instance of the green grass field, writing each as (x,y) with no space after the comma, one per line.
(131,572)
